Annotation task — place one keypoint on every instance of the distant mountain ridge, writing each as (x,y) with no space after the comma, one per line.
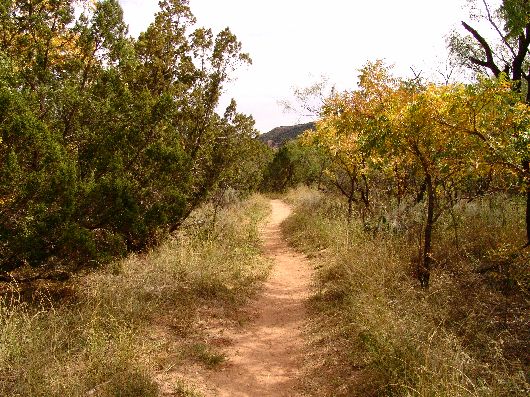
(280,135)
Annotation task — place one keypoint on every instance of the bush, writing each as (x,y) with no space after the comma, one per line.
(100,155)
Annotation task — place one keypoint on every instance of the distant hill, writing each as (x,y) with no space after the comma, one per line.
(280,135)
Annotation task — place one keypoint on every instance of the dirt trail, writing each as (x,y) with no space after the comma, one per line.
(265,356)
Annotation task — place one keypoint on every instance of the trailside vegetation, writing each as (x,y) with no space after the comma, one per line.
(108,142)
(293,164)
(120,330)
(503,52)
(375,333)
(403,144)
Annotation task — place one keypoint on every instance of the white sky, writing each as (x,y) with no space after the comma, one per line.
(294,42)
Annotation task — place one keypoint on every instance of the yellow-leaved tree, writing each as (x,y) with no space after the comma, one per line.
(436,143)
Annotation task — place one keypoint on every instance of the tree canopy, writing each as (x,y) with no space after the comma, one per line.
(108,142)
(422,143)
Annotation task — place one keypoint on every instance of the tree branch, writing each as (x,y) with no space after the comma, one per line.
(518,61)
(489,62)
(496,27)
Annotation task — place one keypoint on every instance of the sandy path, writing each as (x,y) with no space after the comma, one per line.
(265,356)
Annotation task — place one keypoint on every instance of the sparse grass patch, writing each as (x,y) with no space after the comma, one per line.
(182,390)
(98,343)
(206,355)
(466,336)
(313,227)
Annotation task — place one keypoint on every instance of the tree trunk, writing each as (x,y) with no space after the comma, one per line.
(424,271)
(526,167)
(421,193)
(350,209)
(528,217)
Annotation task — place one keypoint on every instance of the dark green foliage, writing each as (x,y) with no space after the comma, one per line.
(294,164)
(107,142)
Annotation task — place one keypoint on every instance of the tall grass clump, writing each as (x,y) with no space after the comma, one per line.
(91,335)
(467,335)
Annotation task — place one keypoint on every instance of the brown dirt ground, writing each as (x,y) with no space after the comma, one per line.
(265,356)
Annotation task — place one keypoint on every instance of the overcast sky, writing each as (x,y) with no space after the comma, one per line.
(294,42)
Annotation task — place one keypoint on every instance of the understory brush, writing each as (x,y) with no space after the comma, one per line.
(376,332)
(97,339)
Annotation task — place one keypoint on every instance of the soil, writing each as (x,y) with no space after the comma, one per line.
(265,355)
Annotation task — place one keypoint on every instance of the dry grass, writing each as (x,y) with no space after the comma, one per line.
(376,333)
(98,340)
